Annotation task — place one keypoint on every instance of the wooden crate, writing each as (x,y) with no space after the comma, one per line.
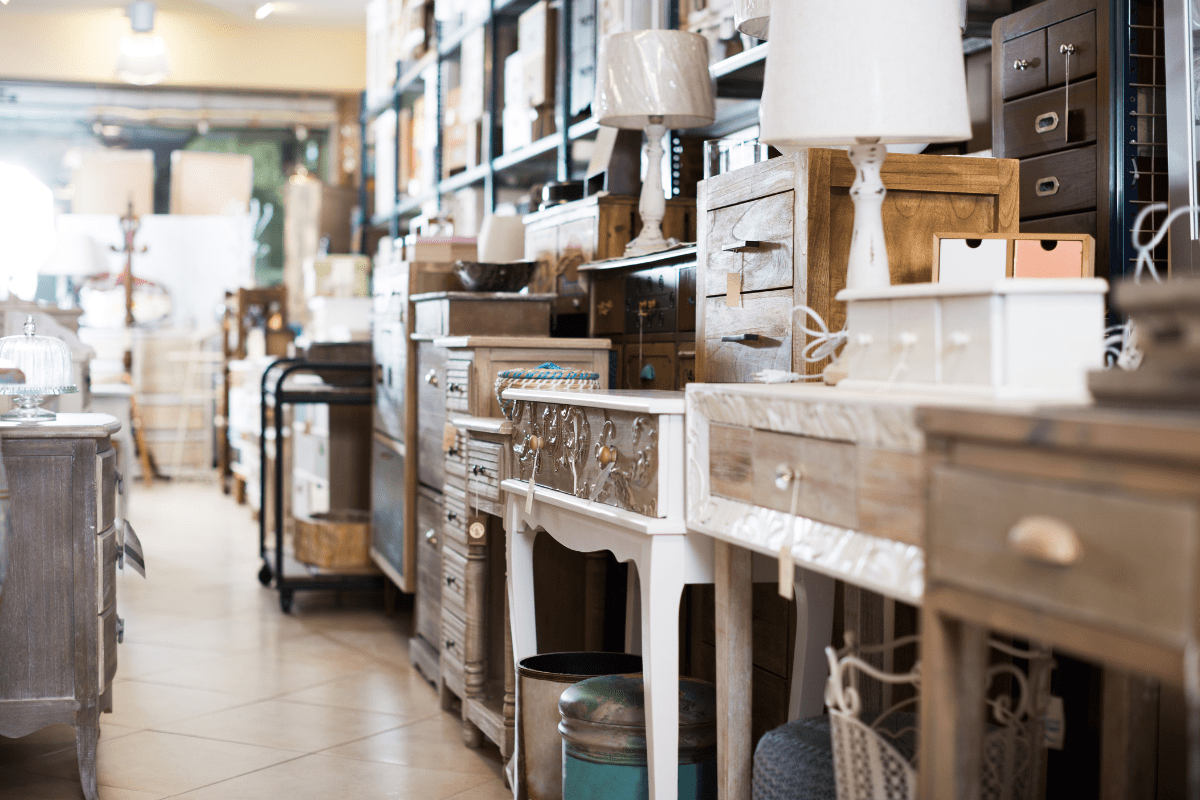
(339,539)
(794,217)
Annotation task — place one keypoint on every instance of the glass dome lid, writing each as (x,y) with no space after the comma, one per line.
(46,362)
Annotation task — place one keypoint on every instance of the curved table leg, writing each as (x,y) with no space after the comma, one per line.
(660,661)
(814,632)
(87,736)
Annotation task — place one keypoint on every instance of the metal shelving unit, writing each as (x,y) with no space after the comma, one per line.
(278,392)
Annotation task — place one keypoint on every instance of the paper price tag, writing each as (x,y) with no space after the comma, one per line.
(449,436)
(477,528)
(733,290)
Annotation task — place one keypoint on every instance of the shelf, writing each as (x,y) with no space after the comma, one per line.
(463,179)
(741,76)
(412,80)
(511,8)
(412,205)
(380,221)
(516,158)
(581,130)
(454,40)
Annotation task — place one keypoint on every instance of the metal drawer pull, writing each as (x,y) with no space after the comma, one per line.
(785,475)
(1021,64)
(120,630)
(741,337)
(1045,539)
(1046,187)
(451,580)
(431,377)
(451,516)
(431,537)
(451,644)
(1046,122)
(741,246)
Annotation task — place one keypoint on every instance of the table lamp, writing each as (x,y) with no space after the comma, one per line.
(653,80)
(864,73)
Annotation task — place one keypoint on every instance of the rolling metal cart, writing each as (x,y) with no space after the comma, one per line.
(278,392)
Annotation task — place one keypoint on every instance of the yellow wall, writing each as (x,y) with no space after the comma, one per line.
(205,51)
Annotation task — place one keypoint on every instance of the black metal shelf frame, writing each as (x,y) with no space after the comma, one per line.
(278,397)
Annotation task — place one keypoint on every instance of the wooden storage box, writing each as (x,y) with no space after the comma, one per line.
(493,313)
(777,234)
(562,238)
(338,539)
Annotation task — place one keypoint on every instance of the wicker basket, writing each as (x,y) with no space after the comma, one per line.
(339,539)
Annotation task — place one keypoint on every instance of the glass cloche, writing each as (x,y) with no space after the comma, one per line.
(46,362)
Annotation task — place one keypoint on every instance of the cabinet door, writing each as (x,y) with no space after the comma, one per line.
(431,414)
(429,568)
(388,545)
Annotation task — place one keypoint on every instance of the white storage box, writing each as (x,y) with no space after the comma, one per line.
(1030,338)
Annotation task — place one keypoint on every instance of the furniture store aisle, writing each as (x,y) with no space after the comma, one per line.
(220,696)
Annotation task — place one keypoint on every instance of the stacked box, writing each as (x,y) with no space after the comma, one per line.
(175,386)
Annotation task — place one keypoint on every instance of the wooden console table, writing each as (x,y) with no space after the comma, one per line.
(58,615)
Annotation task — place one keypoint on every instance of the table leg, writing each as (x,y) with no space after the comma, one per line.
(660,665)
(522,615)
(633,611)
(814,632)
(734,584)
(1128,737)
(87,736)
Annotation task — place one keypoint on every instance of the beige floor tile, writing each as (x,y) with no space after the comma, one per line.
(291,726)
(434,743)
(492,790)
(150,761)
(139,660)
(404,693)
(27,786)
(255,675)
(320,777)
(316,648)
(137,704)
(387,646)
(227,634)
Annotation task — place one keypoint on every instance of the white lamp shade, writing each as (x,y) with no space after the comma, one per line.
(656,73)
(501,239)
(76,254)
(853,71)
(752,17)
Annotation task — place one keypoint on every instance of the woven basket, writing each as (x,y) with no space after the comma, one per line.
(339,539)
(545,376)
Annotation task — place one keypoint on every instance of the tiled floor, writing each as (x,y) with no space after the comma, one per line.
(220,696)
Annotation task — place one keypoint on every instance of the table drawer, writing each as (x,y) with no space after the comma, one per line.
(106,489)
(1035,125)
(827,472)
(1059,183)
(458,385)
(106,569)
(1111,558)
(1080,33)
(106,625)
(483,470)
(429,567)
(454,639)
(753,239)
(454,571)
(1023,65)
(754,336)
(456,457)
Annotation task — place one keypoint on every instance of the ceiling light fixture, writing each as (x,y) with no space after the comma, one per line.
(142,58)
(263,11)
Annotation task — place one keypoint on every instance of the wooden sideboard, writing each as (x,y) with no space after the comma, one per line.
(58,613)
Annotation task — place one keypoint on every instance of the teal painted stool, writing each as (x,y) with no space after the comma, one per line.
(604,739)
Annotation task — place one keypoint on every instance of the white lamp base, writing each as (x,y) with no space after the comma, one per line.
(651,205)
(867,267)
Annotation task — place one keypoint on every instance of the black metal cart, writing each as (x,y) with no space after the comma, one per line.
(277,395)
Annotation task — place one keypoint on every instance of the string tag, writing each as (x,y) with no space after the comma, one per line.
(787,569)
(600,481)
(532,483)
(1067,50)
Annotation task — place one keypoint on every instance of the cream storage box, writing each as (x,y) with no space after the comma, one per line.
(1011,339)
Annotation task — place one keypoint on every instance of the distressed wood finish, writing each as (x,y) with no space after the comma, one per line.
(430,414)
(58,618)
(423,646)
(1118,494)
(1075,172)
(734,623)
(926,194)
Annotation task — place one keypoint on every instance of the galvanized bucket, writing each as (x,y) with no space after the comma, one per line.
(603,731)
(540,681)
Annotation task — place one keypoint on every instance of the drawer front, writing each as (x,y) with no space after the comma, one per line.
(106,489)
(1078,33)
(753,239)
(1035,125)
(1068,223)
(764,315)
(429,568)
(390,352)
(1134,558)
(431,414)
(649,366)
(483,470)
(687,299)
(454,572)
(1059,183)
(456,458)
(454,515)
(1023,65)
(685,364)
(430,317)
(458,385)
(106,626)
(106,569)
(454,638)
(388,507)
(827,473)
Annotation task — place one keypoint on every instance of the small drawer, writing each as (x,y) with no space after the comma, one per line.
(1095,554)
(454,514)
(458,385)
(1035,125)
(428,611)
(754,239)
(106,489)
(754,336)
(1048,258)
(1078,33)
(454,581)
(106,627)
(483,470)
(454,638)
(967,357)
(1059,183)
(912,342)
(827,471)
(1023,65)
(456,455)
(106,569)
(972,260)
(1069,223)
(685,366)
(649,366)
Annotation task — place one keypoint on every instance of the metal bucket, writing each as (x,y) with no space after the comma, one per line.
(540,681)
(604,740)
